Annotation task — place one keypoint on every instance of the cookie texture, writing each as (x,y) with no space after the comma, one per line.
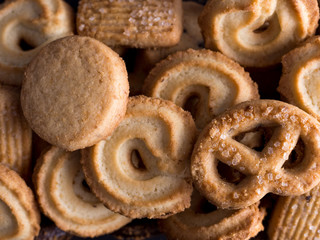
(257,33)
(299,84)
(203,221)
(296,217)
(135,23)
(25,27)
(75,92)
(20,218)
(201,81)
(272,168)
(142,170)
(15,134)
(64,196)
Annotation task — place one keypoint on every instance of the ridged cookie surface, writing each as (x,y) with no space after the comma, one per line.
(133,23)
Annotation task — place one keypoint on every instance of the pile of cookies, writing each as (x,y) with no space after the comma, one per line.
(193,145)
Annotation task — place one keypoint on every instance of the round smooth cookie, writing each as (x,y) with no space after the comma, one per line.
(19,215)
(143,169)
(65,198)
(75,92)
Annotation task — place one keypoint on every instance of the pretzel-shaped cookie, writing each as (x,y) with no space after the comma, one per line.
(265,171)
(203,81)
(34,22)
(299,83)
(142,170)
(20,217)
(65,198)
(256,33)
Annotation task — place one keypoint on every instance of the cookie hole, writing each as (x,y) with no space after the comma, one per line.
(296,156)
(25,45)
(136,160)
(203,207)
(262,28)
(85,186)
(191,104)
(229,174)
(256,139)
(201,45)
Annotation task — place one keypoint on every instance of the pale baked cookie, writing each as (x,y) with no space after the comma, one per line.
(15,134)
(25,27)
(133,23)
(75,92)
(190,38)
(203,221)
(299,83)
(66,199)
(142,170)
(201,81)
(263,170)
(296,218)
(20,218)
(256,33)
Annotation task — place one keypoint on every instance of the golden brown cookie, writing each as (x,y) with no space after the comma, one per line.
(64,196)
(257,33)
(202,82)
(15,134)
(270,169)
(296,218)
(147,58)
(20,218)
(190,38)
(142,170)
(299,83)
(75,92)
(25,27)
(202,221)
(133,23)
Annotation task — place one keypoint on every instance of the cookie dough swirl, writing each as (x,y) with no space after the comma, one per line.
(264,171)
(199,222)
(256,33)
(19,215)
(299,83)
(201,81)
(142,170)
(32,23)
(65,198)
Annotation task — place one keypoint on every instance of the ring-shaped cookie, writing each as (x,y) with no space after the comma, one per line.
(299,83)
(264,171)
(201,223)
(20,217)
(256,33)
(208,81)
(142,170)
(33,23)
(64,197)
